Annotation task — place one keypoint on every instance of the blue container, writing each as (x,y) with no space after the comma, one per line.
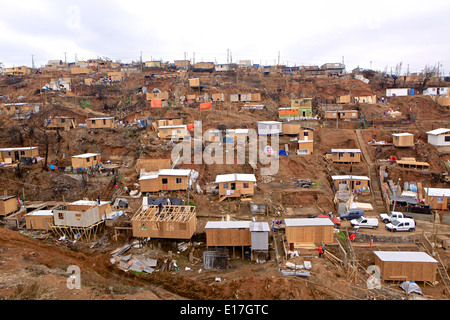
(412,92)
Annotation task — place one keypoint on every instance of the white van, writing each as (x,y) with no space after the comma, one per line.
(402,224)
(363,222)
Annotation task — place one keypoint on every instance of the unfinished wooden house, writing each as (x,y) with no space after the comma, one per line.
(309,231)
(164,180)
(166,122)
(406,266)
(344,155)
(167,222)
(403,139)
(357,184)
(8,204)
(80,219)
(235,185)
(239,234)
(173,132)
(39,220)
(218,97)
(292,128)
(99,123)
(239,136)
(61,123)
(10,155)
(86,160)
(437,198)
(305,147)
(341,114)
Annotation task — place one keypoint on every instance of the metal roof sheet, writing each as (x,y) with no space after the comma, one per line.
(404,256)
(86,155)
(346,150)
(227,225)
(305,222)
(438,131)
(235,177)
(437,192)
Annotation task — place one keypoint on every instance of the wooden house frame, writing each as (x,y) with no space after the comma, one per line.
(172,222)
(309,230)
(406,266)
(39,220)
(8,204)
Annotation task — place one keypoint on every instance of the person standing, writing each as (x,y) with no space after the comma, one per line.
(320,249)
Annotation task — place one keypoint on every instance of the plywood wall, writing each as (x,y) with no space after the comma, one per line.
(228,237)
(310,234)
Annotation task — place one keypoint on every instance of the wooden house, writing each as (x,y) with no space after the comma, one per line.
(153,64)
(203,67)
(219,97)
(238,234)
(167,122)
(17,71)
(398,92)
(301,102)
(438,198)
(86,160)
(309,230)
(213,135)
(80,70)
(306,134)
(173,132)
(406,266)
(182,64)
(341,114)
(357,184)
(164,180)
(167,222)
(305,147)
(62,123)
(8,204)
(366,99)
(290,128)
(345,155)
(235,185)
(439,137)
(270,127)
(39,220)
(157,95)
(240,136)
(96,123)
(115,76)
(80,219)
(344,99)
(15,154)
(403,139)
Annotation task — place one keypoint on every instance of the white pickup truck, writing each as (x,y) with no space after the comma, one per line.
(402,224)
(393,215)
(363,222)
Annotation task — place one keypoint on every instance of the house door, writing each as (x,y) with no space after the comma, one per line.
(16,155)
(233,186)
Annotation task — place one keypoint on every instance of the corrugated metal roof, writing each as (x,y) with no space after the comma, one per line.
(173,127)
(437,192)
(40,213)
(305,222)
(86,155)
(404,256)
(174,172)
(346,150)
(350,177)
(227,225)
(405,134)
(18,149)
(235,177)
(438,131)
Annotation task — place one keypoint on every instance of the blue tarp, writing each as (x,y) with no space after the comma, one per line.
(282,152)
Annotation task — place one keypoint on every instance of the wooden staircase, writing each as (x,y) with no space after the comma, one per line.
(379,203)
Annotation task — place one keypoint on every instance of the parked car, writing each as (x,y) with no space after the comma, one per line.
(363,222)
(402,224)
(352,214)
(393,215)
(336,221)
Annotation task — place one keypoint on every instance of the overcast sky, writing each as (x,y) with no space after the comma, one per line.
(377,35)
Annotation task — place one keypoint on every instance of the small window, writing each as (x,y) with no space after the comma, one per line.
(165,131)
(305,133)
(9,153)
(95,158)
(447,138)
(63,120)
(352,155)
(78,216)
(87,159)
(225,185)
(60,215)
(246,185)
(104,121)
(358,183)
(341,154)
(179,180)
(22,153)
(93,121)
(164,181)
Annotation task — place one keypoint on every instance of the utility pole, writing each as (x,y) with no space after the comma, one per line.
(141,61)
(65,57)
(278,58)
(32,61)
